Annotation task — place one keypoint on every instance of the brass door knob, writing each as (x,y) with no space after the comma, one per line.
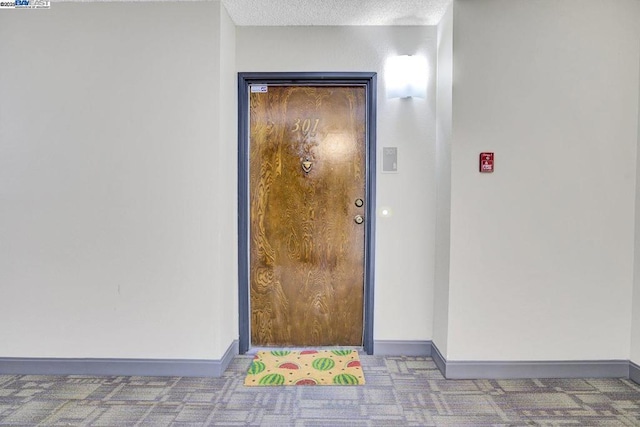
(358,219)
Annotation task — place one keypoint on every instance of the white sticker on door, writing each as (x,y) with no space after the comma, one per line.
(258,88)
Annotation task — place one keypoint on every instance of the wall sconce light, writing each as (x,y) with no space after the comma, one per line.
(406,76)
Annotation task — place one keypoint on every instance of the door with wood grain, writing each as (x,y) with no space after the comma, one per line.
(307,172)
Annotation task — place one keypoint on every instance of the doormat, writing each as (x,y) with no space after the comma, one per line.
(307,367)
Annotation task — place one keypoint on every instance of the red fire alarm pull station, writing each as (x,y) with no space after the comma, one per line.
(486,162)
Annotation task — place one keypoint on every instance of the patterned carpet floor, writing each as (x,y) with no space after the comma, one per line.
(400,391)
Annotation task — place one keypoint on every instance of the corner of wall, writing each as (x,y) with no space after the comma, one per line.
(444,95)
(226,164)
(635,301)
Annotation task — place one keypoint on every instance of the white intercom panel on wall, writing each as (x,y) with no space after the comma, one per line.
(390,159)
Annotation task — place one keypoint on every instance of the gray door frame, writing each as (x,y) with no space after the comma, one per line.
(369,81)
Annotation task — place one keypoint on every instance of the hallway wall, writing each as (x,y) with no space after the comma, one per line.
(226,195)
(405,241)
(541,250)
(118,175)
(444,123)
(635,326)
(118,170)
(117,163)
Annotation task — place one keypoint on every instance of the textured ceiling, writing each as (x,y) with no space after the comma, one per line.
(324,12)
(335,12)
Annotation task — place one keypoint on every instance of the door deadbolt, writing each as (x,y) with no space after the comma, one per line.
(358,219)
(359,203)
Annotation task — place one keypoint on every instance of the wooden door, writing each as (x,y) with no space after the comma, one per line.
(306,187)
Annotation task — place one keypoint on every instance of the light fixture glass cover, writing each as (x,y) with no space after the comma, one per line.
(406,76)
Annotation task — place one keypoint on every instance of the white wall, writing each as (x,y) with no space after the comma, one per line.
(542,249)
(405,241)
(114,242)
(635,326)
(226,194)
(444,111)
(118,168)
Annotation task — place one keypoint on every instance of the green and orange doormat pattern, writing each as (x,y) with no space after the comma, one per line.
(307,367)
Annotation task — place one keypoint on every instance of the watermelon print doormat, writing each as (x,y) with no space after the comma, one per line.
(307,367)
